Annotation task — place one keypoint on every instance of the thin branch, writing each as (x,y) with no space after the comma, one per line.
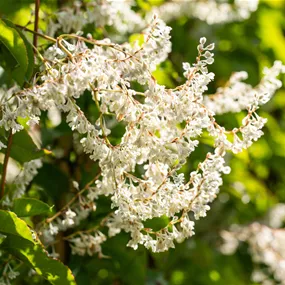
(49,220)
(101,224)
(5,164)
(36,25)
(36,33)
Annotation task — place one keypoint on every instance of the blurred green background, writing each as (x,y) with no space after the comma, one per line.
(256,182)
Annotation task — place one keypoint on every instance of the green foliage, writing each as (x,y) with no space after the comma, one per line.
(17,53)
(7,8)
(21,243)
(27,207)
(122,264)
(255,184)
(24,149)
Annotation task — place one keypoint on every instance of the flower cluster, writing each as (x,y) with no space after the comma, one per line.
(162,129)
(22,180)
(117,14)
(87,243)
(28,172)
(211,11)
(8,274)
(237,95)
(120,16)
(266,246)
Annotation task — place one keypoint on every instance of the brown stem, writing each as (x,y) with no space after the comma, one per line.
(36,25)
(36,33)
(93,229)
(49,220)
(5,164)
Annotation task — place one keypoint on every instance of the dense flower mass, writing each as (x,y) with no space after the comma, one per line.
(120,16)
(162,127)
(212,12)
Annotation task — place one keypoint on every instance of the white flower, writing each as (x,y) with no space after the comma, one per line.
(69,218)
(13,274)
(53,229)
(161,130)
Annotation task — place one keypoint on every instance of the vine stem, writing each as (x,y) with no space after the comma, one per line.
(36,25)
(93,229)
(36,33)
(5,164)
(49,220)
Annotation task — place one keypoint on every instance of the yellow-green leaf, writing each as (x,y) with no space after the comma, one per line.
(20,243)
(27,207)
(20,49)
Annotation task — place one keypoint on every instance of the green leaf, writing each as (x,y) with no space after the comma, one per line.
(21,53)
(30,54)
(8,8)
(12,225)
(20,243)
(23,147)
(29,50)
(26,207)
(157,223)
